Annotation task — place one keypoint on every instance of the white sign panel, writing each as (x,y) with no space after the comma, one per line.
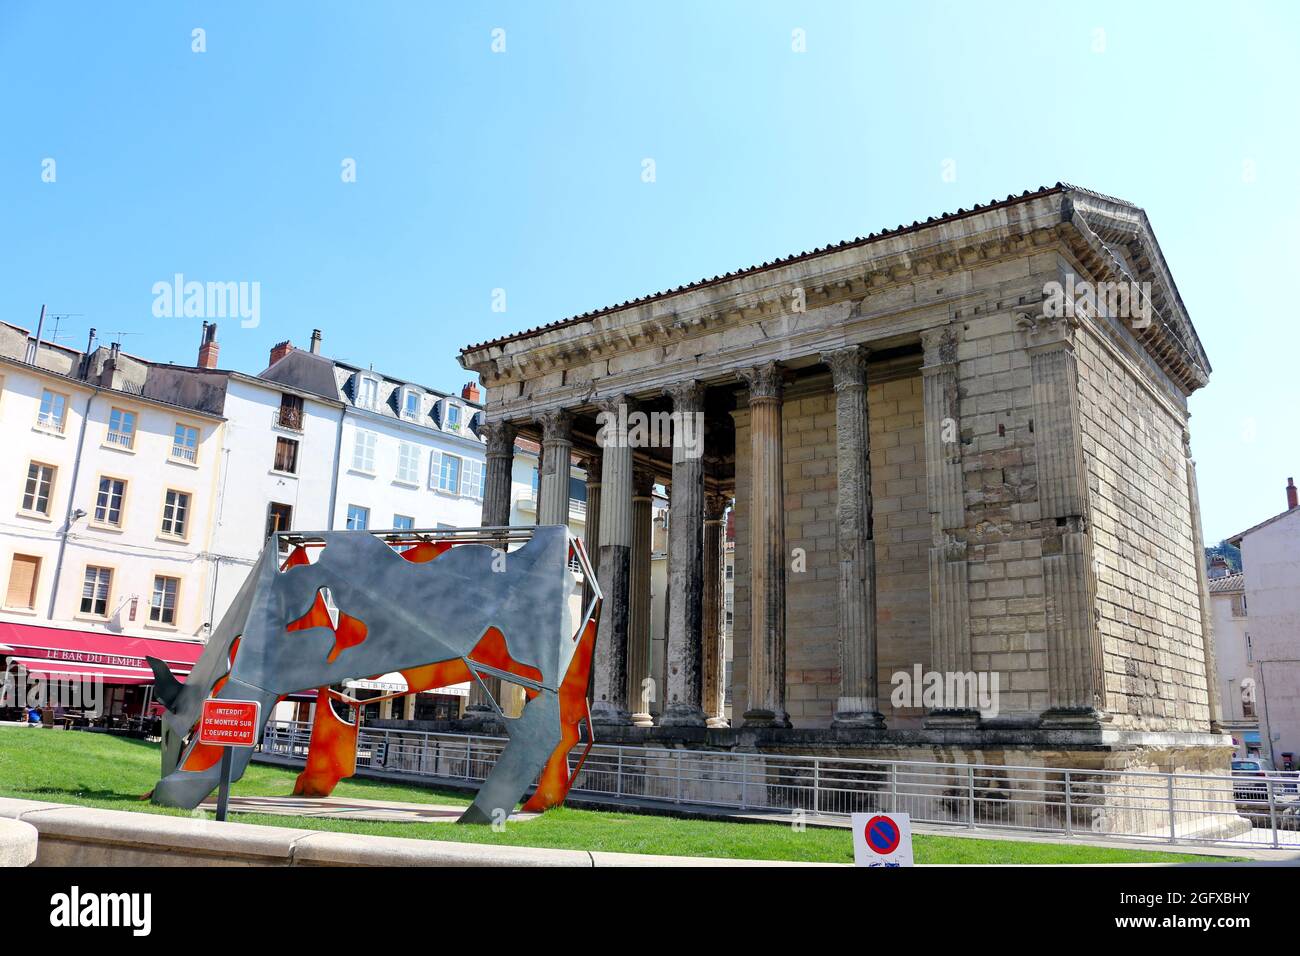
(882,839)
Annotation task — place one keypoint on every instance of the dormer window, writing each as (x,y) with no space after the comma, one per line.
(452,422)
(367,391)
(410,405)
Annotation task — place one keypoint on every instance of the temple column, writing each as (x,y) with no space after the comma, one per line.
(767,550)
(498,477)
(684,650)
(641,690)
(557,453)
(856,705)
(1076,691)
(609,677)
(950,637)
(1214,699)
(712,664)
(591,530)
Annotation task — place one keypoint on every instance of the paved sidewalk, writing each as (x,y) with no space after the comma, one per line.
(337,808)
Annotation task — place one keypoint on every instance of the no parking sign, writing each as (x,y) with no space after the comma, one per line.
(882,839)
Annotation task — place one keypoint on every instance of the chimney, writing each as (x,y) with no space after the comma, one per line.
(315,341)
(108,376)
(280,350)
(208,347)
(1218,566)
(1291,500)
(470,392)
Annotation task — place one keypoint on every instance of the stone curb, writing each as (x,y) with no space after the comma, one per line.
(17,843)
(89,836)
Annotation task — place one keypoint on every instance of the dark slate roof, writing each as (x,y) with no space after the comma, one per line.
(307,371)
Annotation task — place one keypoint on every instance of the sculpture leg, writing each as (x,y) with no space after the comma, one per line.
(553,785)
(533,737)
(332,753)
(200,772)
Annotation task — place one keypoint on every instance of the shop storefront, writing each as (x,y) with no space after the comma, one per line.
(86,678)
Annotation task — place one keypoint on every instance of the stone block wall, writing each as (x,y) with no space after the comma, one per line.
(1142,544)
(902,530)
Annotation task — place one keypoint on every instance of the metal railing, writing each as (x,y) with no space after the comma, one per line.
(1143,805)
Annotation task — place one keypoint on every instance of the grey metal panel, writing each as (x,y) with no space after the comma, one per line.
(415,614)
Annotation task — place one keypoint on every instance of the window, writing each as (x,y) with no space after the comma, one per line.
(40,485)
(176,513)
(363,452)
(286,456)
(24,573)
(408,462)
(445,472)
(731,572)
(403,522)
(94,593)
(411,405)
(472,483)
(185,443)
(358,518)
(162,606)
(368,392)
(453,417)
(54,408)
(290,413)
(108,502)
(121,428)
(278,518)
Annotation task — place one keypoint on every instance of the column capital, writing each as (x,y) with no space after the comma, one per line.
(940,345)
(499,437)
(848,366)
(1042,332)
(591,464)
(714,506)
(643,483)
(556,423)
(687,396)
(765,382)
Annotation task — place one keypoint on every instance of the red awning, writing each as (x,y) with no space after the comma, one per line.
(69,654)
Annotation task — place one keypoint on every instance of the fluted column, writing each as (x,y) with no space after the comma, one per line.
(609,678)
(1214,700)
(1075,667)
(767,550)
(557,452)
(641,692)
(856,705)
(591,530)
(711,671)
(684,651)
(498,476)
(950,636)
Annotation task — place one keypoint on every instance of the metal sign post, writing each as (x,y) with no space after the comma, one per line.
(228,724)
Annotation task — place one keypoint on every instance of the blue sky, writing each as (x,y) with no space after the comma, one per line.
(522,170)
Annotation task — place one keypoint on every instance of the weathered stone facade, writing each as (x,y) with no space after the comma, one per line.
(930,466)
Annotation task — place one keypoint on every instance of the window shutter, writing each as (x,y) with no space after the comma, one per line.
(435,467)
(22,581)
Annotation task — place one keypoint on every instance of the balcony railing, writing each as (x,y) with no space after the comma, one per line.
(185,453)
(286,417)
(123,439)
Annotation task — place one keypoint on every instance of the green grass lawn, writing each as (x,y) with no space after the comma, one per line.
(100,771)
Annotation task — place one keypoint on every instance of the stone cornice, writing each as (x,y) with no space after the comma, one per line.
(863,283)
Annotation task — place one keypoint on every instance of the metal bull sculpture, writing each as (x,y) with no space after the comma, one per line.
(440,607)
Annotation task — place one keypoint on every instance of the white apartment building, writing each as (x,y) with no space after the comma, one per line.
(1234,657)
(407,457)
(112,493)
(1270,560)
